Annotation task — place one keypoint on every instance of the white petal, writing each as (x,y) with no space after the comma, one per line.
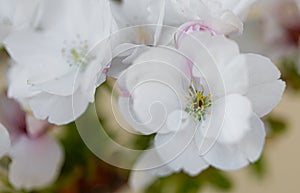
(226,157)
(4,141)
(265,88)
(171,146)
(35,163)
(235,156)
(147,111)
(208,58)
(193,164)
(25,12)
(232,23)
(18,86)
(39,52)
(154,71)
(7,11)
(58,109)
(176,120)
(222,49)
(254,141)
(62,86)
(228,123)
(238,112)
(128,115)
(152,108)
(124,56)
(158,64)
(235,76)
(94,17)
(144,172)
(179,151)
(127,15)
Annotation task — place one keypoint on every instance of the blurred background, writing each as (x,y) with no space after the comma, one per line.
(272,29)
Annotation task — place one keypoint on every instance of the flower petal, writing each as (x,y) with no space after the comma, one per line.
(207,59)
(254,141)
(179,151)
(35,127)
(148,111)
(235,156)
(12,117)
(35,163)
(61,86)
(235,76)
(238,112)
(228,122)
(4,141)
(18,86)
(154,70)
(58,109)
(265,89)
(143,172)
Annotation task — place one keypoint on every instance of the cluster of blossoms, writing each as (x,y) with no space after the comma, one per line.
(191,86)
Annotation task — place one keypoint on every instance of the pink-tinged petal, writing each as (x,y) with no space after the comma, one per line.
(12,117)
(35,163)
(4,141)
(208,58)
(222,49)
(190,27)
(35,127)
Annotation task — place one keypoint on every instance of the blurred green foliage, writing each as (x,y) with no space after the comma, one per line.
(181,182)
(290,72)
(275,126)
(259,168)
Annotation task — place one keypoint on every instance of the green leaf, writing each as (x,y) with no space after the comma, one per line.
(277,126)
(290,72)
(218,179)
(259,167)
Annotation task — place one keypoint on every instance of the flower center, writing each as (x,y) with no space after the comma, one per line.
(198,103)
(76,53)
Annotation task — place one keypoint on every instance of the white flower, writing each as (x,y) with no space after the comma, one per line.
(36,156)
(224,15)
(15,14)
(156,21)
(204,102)
(57,68)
